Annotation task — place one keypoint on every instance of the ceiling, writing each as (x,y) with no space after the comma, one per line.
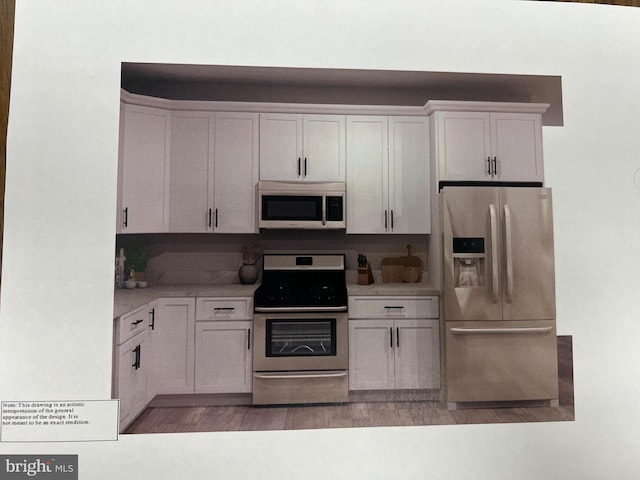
(338,86)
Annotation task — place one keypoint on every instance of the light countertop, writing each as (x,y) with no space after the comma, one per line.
(126,300)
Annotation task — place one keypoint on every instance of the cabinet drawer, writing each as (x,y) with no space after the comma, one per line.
(218,308)
(131,324)
(393,307)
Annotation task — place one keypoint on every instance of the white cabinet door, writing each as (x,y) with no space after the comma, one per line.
(481,146)
(280,146)
(371,355)
(132,362)
(463,146)
(235,173)
(297,147)
(223,357)
(324,150)
(191,170)
(367,174)
(517,146)
(144,170)
(409,175)
(388,175)
(417,354)
(171,336)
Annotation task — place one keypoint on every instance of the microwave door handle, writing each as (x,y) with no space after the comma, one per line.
(324,208)
(508,253)
(494,252)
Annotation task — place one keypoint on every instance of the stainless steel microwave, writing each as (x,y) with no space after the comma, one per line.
(301,205)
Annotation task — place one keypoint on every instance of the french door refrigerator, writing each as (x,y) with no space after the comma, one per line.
(499,295)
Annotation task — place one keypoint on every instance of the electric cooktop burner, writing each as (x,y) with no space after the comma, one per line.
(302,283)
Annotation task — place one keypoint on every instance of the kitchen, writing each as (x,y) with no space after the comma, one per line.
(380,221)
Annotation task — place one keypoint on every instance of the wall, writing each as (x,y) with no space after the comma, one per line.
(216,258)
(56,298)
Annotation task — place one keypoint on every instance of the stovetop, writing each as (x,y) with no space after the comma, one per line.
(302,283)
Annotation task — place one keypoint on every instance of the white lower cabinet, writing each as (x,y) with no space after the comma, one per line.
(223,362)
(223,357)
(132,365)
(171,338)
(132,358)
(400,349)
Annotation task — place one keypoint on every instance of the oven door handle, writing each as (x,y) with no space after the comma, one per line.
(300,375)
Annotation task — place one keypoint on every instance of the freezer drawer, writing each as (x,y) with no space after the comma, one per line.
(501,361)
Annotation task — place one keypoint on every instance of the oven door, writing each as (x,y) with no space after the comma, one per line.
(300,342)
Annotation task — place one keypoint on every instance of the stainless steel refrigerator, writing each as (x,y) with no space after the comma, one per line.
(499,295)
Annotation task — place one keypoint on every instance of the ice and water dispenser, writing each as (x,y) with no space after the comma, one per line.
(469,260)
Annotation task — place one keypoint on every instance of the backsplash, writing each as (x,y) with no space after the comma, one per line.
(216,258)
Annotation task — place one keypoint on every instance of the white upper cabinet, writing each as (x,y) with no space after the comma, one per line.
(235,173)
(214,171)
(192,157)
(144,170)
(296,147)
(388,175)
(488,146)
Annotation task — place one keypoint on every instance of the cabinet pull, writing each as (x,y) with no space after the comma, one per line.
(385,220)
(393,306)
(305,166)
(391,337)
(248,339)
(137,355)
(392,220)
(210,214)
(495,166)
(489,166)
(299,166)
(217,309)
(137,322)
(152,314)
(125,221)
(398,337)
(216,218)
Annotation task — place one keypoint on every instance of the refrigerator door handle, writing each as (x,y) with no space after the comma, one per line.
(494,252)
(469,331)
(509,251)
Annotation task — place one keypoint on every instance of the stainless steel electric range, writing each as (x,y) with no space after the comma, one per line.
(300,331)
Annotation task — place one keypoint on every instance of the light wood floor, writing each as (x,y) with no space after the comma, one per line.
(356,414)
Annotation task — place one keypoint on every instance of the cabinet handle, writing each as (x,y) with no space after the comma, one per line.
(217,309)
(391,220)
(137,322)
(137,356)
(249,339)
(125,221)
(385,220)
(489,166)
(210,214)
(391,337)
(305,166)
(495,165)
(398,337)
(299,166)
(152,314)
(216,218)
(393,306)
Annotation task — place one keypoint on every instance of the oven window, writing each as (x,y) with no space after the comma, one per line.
(292,207)
(301,338)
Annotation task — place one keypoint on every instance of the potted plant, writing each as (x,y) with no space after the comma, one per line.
(137,260)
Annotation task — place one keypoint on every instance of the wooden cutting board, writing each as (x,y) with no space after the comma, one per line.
(402,269)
